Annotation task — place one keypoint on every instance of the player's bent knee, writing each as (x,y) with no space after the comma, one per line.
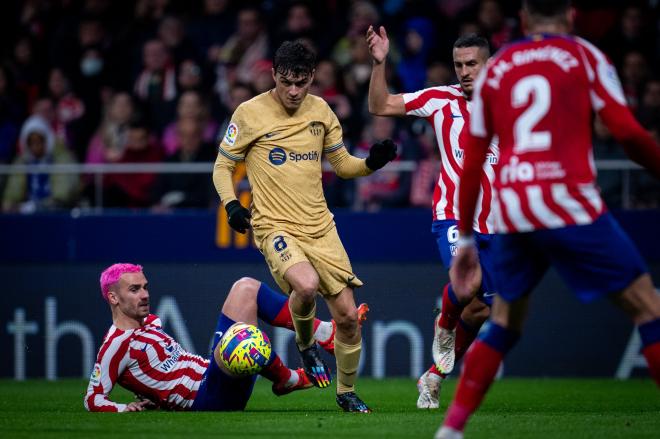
(347,323)
(307,288)
(242,296)
(245,287)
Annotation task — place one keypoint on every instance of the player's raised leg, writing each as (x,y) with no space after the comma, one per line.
(642,303)
(273,308)
(243,304)
(304,281)
(348,347)
(482,363)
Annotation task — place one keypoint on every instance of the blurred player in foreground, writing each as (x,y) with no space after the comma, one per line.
(281,134)
(137,354)
(538,96)
(447,108)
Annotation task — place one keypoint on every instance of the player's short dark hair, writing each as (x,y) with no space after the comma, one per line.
(294,57)
(547,8)
(472,40)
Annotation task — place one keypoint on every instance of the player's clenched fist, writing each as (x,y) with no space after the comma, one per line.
(380,154)
(239,216)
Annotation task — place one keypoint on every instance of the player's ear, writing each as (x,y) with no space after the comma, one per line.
(113,298)
(272,71)
(311,76)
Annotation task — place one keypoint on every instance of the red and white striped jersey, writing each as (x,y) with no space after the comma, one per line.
(538,97)
(148,362)
(448,112)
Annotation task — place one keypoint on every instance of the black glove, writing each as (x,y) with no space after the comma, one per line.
(239,216)
(380,153)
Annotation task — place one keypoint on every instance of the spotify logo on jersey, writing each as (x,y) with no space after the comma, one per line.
(277,156)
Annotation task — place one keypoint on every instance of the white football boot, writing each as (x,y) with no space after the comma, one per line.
(428,386)
(444,342)
(448,433)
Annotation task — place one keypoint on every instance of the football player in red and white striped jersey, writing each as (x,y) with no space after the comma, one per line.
(538,96)
(140,356)
(447,109)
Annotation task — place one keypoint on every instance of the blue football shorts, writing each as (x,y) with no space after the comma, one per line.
(594,260)
(219,391)
(446,236)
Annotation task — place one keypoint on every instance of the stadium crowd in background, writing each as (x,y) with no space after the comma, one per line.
(142,81)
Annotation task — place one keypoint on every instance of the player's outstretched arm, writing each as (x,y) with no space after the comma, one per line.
(348,166)
(381,102)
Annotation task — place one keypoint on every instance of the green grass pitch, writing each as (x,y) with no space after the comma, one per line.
(515,408)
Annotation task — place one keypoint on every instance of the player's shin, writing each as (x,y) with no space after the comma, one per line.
(465,335)
(481,365)
(304,326)
(451,308)
(275,370)
(348,360)
(650,335)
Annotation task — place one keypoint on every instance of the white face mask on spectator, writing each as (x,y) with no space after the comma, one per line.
(91,66)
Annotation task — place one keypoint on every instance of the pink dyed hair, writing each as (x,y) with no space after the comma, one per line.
(111,275)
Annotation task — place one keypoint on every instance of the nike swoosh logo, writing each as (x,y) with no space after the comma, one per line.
(269,135)
(350,279)
(456,116)
(489,294)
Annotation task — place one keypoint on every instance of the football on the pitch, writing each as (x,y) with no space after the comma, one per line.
(244,349)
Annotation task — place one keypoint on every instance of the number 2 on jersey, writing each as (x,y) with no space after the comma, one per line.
(536,88)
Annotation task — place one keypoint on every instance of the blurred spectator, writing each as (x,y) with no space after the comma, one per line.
(172,33)
(630,34)
(190,106)
(649,110)
(362,15)
(190,76)
(107,145)
(211,29)
(384,188)
(27,69)
(30,192)
(438,73)
(69,109)
(328,84)
(155,87)
(634,73)
(262,76)
(299,24)
(11,113)
(418,42)
(498,28)
(187,190)
(133,190)
(453,8)
(245,47)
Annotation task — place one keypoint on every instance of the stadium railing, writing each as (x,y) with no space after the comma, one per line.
(99,170)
